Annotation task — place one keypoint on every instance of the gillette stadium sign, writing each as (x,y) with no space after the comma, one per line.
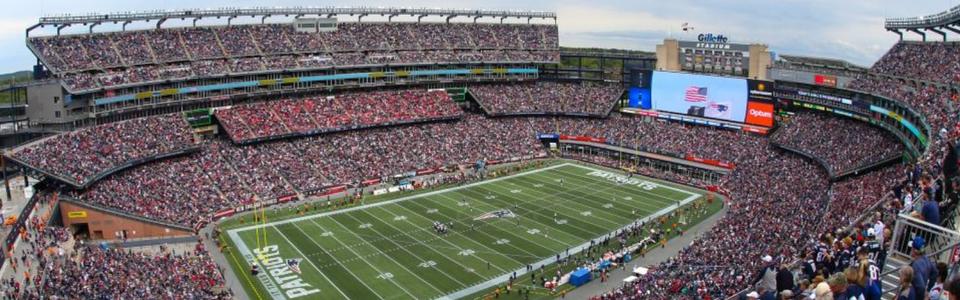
(712,38)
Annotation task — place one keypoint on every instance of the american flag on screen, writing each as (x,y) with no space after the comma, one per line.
(695,94)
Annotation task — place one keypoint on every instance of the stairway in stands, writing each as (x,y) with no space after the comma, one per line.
(892,277)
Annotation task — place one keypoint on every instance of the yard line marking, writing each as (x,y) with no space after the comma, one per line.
(549,260)
(461,248)
(382,254)
(588,211)
(431,248)
(662,183)
(659,184)
(365,206)
(605,192)
(485,233)
(649,195)
(666,200)
(338,261)
(539,212)
(531,220)
(246,251)
(470,240)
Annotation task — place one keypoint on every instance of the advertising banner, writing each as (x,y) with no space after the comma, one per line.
(588,139)
(712,162)
(760,113)
(825,80)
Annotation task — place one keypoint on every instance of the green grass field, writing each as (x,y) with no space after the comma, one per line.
(389,249)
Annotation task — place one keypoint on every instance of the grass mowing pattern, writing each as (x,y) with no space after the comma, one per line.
(390,251)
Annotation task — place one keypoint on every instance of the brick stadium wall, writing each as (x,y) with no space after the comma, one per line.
(109,223)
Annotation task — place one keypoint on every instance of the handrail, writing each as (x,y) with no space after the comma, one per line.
(943,18)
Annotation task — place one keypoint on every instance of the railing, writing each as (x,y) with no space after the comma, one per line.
(938,19)
(937,238)
(297,11)
(940,240)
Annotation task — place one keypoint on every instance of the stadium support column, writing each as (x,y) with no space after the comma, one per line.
(900,34)
(950,27)
(941,33)
(921,33)
(6,181)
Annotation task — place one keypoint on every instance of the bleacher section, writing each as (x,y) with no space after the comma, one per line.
(805,130)
(314,115)
(115,59)
(932,61)
(548,98)
(83,156)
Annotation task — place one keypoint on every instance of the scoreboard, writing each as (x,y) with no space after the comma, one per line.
(714,57)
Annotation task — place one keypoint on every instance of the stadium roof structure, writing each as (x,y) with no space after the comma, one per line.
(821,62)
(93,19)
(937,23)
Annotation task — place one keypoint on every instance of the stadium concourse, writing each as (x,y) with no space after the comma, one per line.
(784,212)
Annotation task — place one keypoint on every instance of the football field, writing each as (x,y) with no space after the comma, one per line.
(392,249)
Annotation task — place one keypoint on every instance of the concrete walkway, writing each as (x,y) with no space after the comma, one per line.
(25,249)
(652,258)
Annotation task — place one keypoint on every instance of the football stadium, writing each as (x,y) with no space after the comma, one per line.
(464,153)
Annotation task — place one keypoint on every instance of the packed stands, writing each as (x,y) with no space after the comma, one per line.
(312,115)
(779,204)
(113,59)
(728,259)
(84,155)
(544,98)
(938,107)
(95,273)
(767,188)
(829,139)
(187,190)
(933,61)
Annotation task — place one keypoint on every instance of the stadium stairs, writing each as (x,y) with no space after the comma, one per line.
(890,280)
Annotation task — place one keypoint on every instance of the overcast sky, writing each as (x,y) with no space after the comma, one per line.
(850,29)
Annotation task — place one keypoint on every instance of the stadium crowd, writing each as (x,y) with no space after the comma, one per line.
(938,107)
(224,176)
(312,115)
(96,273)
(783,210)
(91,61)
(79,156)
(933,61)
(544,97)
(781,201)
(806,132)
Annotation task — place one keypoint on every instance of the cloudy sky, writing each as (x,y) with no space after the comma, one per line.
(850,29)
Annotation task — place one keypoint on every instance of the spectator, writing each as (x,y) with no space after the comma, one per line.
(923,271)
(937,291)
(906,290)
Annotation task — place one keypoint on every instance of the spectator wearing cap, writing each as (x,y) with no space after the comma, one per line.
(923,270)
(767,278)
